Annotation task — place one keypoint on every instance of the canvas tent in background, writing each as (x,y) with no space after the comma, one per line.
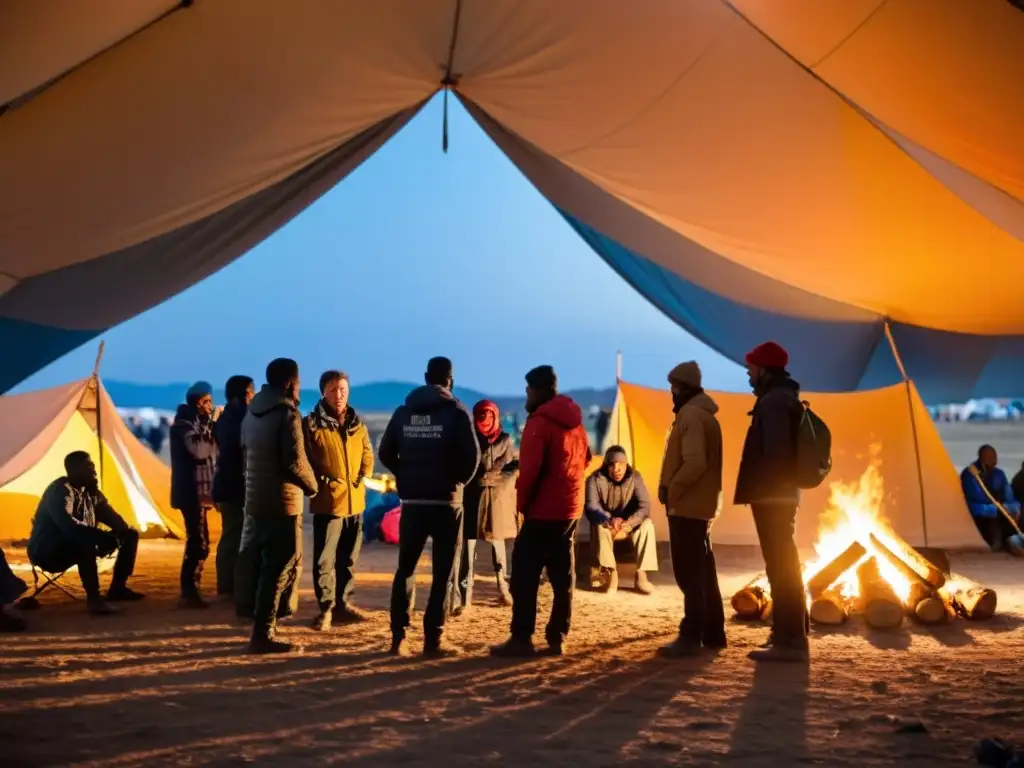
(871,425)
(40,428)
(804,170)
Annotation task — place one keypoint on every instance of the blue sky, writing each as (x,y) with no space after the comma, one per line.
(415,254)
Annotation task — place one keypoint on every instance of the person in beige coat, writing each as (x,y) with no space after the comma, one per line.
(691,489)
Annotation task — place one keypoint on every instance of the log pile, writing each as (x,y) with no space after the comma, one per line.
(827,576)
(829,608)
(972,601)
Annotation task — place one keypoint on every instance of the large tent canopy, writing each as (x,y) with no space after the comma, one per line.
(807,170)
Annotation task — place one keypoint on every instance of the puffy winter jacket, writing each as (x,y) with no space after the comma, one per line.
(553,459)
(691,472)
(978,502)
(430,445)
(767,472)
(193,455)
(277,471)
(341,456)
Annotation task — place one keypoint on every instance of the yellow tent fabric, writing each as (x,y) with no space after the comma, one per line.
(868,426)
(134,481)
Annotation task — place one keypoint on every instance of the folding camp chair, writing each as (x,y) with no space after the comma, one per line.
(57,579)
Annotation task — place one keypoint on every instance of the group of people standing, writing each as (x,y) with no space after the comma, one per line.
(460,481)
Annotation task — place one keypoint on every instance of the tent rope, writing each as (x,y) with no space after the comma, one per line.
(450,80)
(913,428)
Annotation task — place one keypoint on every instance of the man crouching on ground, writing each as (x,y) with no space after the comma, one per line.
(553,459)
(430,445)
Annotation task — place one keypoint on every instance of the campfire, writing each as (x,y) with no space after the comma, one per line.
(863,567)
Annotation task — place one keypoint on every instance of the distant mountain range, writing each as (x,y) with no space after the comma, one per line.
(377,397)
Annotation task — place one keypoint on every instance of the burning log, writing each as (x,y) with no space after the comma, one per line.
(928,605)
(829,608)
(827,576)
(971,600)
(881,607)
(930,572)
(911,574)
(753,602)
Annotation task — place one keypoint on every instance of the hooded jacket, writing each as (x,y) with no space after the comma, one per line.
(431,447)
(978,502)
(341,456)
(193,455)
(277,472)
(691,472)
(229,479)
(553,459)
(768,464)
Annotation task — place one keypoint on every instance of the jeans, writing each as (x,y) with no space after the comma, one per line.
(336,545)
(443,525)
(775,525)
(197,549)
(693,564)
(232,518)
(543,544)
(279,542)
(247,572)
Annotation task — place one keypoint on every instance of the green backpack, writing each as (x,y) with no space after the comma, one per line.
(813,449)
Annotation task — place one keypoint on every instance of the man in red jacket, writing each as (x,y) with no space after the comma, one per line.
(553,459)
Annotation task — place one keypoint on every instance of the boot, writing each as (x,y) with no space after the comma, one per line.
(642,584)
(193,602)
(504,595)
(680,648)
(263,645)
(715,642)
(97,606)
(348,614)
(557,646)
(122,593)
(399,647)
(439,648)
(613,582)
(789,651)
(322,622)
(514,648)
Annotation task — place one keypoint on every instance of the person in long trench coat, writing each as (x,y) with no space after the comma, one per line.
(490,506)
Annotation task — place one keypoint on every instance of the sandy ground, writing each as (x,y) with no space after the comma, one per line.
(159,686)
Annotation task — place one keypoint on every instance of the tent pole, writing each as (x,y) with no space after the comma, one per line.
(95,383)
(913,427)
(618,365)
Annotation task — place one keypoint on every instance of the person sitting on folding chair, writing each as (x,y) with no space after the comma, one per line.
(65,534)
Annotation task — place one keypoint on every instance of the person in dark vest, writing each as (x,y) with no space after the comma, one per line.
(193,457)
(553,459)
(490,506)
(767,483)
(691,490)
(66,533)
(339,449)
(430,445)
(618,507)
(229,479)
(277,477)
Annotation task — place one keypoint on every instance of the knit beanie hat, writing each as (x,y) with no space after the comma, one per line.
(686,375)
(768,355)
(615,453)
(542,377)
(198,391)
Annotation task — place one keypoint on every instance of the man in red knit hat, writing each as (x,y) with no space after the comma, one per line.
(767,483)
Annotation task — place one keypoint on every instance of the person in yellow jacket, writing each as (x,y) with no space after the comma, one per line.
(691,489)
(339,449)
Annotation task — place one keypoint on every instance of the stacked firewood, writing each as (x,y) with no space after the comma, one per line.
(936,596)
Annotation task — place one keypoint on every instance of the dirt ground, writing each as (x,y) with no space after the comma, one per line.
(159,686)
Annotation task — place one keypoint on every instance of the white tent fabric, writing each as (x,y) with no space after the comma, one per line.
(857,151)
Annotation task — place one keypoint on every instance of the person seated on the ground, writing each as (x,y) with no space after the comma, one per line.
(65,534)
(981,476)
(1017,484)
(619,507)
(11,588)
